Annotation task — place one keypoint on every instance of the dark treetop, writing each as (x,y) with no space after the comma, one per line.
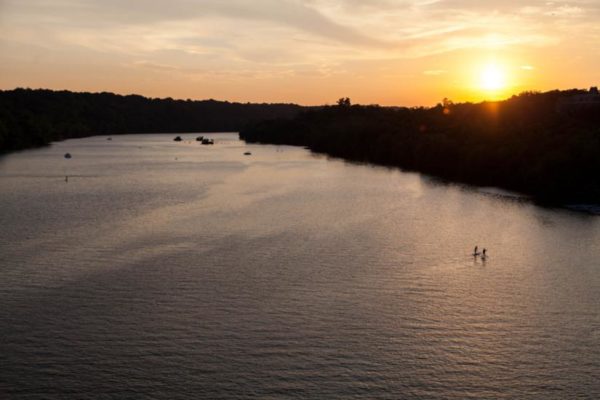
(543,144)
(30,118)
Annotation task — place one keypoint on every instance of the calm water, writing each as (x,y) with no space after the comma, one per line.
(167,270)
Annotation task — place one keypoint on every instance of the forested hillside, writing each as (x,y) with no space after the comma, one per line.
(537,143)
(30,118)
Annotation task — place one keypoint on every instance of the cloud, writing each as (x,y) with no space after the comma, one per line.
(300,39)
(370,28)
(112,13)
(154,66)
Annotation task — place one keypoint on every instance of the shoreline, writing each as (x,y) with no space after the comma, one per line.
(524,145)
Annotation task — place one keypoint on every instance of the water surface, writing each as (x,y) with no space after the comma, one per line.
(179,271)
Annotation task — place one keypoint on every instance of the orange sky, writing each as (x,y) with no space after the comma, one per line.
(390,52)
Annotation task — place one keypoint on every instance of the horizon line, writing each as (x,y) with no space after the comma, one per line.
(293,103)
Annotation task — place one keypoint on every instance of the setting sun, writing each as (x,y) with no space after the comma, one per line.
(492,78)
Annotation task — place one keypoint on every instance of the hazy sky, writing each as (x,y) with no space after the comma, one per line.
(393,52)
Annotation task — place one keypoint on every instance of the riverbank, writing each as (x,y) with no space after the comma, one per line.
(33,118)
(525,144)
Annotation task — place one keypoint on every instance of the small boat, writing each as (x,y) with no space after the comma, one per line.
(178,139)
(208,141)
(199,138)
(247,153)
(67,155)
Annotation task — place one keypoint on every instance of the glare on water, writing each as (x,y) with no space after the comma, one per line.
(169,269)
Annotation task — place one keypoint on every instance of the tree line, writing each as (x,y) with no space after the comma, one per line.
(30,118)
(531,143)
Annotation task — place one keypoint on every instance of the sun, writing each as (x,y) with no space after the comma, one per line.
(492,78)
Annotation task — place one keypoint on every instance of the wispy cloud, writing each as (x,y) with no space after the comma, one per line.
(113,13)
(304,39)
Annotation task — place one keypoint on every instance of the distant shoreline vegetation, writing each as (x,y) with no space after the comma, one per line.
(543,144)
(546,145)
(36,117)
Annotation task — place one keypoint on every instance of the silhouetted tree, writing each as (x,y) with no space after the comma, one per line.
(524,143)
(36,117)
(344,102)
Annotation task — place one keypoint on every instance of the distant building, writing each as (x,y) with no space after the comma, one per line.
(583,102)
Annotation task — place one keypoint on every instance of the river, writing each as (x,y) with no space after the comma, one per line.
(173,270)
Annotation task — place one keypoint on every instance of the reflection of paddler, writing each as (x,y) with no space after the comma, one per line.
(67,156)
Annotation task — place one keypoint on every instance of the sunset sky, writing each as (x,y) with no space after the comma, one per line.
(389,52)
